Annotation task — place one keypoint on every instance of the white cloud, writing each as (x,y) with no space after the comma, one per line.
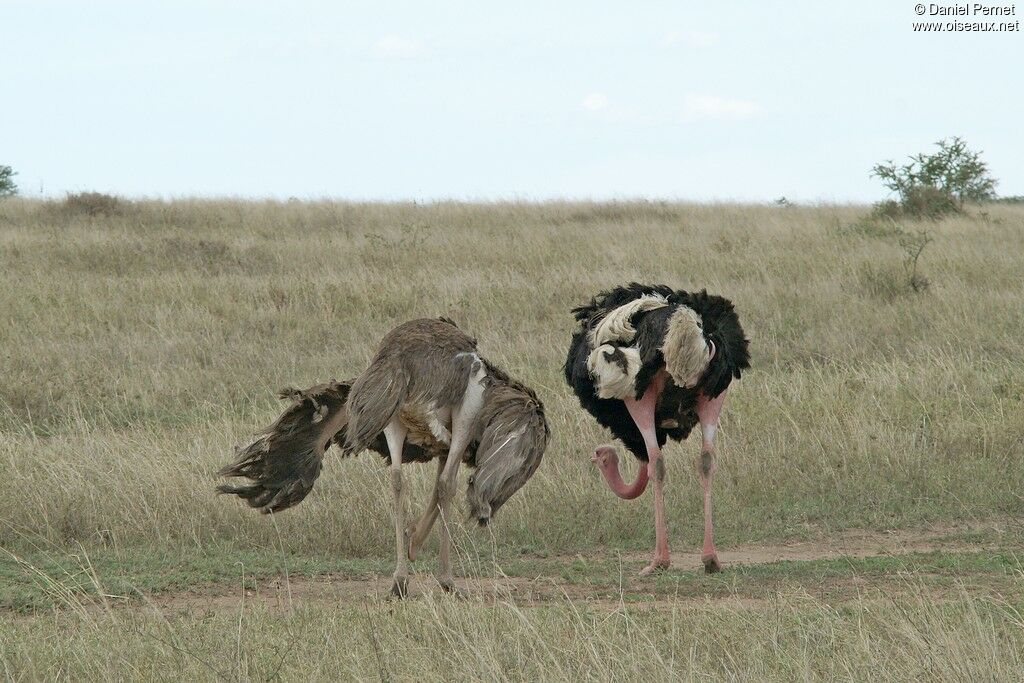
(396,47)
(691,38)
(702,107)
(595,101)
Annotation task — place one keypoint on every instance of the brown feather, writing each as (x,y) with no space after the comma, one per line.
(419,366)
(285,461)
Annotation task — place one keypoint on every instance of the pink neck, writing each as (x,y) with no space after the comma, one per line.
(621,488)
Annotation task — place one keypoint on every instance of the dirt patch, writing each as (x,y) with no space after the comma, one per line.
(280,593)
(607,579)
(860,543)
(283,597)
(552,582)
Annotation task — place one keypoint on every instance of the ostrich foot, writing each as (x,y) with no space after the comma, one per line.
(711,563)
(657,564)
(400,588)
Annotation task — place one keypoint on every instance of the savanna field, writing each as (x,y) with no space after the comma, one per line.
(869,501)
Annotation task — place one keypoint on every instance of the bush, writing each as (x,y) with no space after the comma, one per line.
(887,281)
(928,202)
(888,210)
(933,185)
(93,204)
(913,244)
(7,186)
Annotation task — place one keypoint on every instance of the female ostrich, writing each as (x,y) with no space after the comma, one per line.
(426,395)
(649,363)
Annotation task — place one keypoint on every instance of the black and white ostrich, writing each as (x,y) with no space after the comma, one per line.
(427,395)
(650,363)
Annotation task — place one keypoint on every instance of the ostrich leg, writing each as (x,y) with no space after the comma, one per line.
(708,411)
(395,433)
(463,419)
(427,519)
(446,484)
(447,480)
(642,412)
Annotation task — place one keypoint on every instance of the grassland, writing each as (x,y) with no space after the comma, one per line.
(137,348)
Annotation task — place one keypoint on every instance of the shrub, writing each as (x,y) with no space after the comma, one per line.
(888,210)
(913,244)
(7,186)
(93,204)
(928,202)
(887,281)
(933,185)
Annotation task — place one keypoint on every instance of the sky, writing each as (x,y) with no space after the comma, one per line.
(480,100)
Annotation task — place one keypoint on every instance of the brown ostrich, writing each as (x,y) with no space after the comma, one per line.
(650,363)
(427,395)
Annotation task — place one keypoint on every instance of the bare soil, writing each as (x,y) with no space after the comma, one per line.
(675,586)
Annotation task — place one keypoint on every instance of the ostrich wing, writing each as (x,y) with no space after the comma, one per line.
(285,460)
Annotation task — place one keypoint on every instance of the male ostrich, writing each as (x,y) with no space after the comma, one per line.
(649,363)
(426,395)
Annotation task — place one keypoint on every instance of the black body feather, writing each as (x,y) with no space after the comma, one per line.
(675,414)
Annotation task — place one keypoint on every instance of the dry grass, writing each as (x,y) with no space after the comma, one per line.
(137,348)
(790,637)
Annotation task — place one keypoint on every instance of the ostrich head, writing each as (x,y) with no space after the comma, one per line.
(510,443)
(605,457)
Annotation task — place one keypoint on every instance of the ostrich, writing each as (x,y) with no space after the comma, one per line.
(649,363)
(427,395)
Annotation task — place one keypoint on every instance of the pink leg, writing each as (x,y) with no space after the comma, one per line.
(708,411)
(642,412)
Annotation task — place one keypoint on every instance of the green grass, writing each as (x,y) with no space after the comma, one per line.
(40,580)
(44,580)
